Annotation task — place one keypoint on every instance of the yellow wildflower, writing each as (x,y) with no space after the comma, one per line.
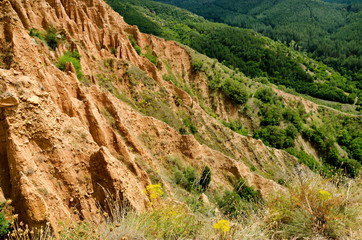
(154,191)
(222,226)
(324,195)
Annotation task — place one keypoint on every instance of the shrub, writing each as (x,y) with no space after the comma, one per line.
(135,44)
(74,58)
(187,178)
(205,178)
(235,91)
(4,224)
(188,124)
(305,158)
(113,51)
(246,192)
(275,136)
(231,204)
(266,95)
(182,131)
(329,152)
(51,38)
(236,126)
(271,115)
(197,65)
(293,117)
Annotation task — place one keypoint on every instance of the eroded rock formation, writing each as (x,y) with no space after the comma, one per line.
(62,142)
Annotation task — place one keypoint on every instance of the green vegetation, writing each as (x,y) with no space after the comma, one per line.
(4,223)
(71,57)
(236,126)
(308,209)
(50,36)
(231,205)
(188,178)
(135,44)
(150,56)
(241,202)
(330,154)
(329,32)
(305,158)
(205,178)
(245,50)
(235,91)
(246,192)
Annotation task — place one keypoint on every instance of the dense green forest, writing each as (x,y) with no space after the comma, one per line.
(245,50)
(330,32)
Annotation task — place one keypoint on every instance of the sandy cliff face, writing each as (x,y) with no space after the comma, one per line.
(62,142)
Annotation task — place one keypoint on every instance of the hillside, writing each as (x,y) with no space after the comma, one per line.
(269,119)
(110,133)
(244,50)
(330,32)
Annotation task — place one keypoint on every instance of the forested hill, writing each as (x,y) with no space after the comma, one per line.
(328,31)
(253,54)
(344,1)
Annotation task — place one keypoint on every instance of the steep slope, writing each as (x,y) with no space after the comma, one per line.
(251,53)
(259,111)
(64,141)
(318,27)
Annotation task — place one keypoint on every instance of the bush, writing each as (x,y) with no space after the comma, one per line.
(205,178)
(330,153)
(187,178)
(4,224)
(275,137)
(231,204)
(74,58)
(293,117)
(51,38)
(188,124)
(305,158)
(236,126)
(235,91)
(113,51)
(197,65)
(271,115)
(266,95)
(246,192)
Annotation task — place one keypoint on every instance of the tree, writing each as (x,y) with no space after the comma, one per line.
(205,178)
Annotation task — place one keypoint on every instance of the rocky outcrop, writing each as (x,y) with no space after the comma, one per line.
(63,142)
(8,100)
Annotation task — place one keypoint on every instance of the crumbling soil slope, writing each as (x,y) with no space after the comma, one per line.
(62,142)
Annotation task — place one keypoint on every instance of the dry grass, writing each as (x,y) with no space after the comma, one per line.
(312,208)
(316,209)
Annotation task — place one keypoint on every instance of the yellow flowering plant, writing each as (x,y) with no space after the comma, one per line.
(223,227)
(325,195)
(154,192)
